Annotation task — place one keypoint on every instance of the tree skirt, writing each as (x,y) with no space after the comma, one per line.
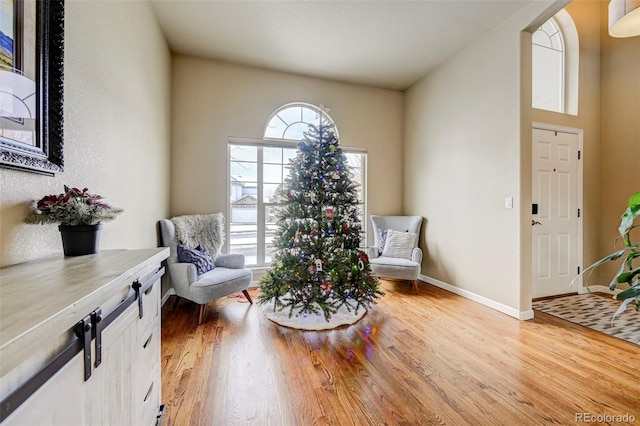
(313,322)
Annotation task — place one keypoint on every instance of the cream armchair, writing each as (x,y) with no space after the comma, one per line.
(398,256)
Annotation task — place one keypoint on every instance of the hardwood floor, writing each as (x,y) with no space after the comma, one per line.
(434,358)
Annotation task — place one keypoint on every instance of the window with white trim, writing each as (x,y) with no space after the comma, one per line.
(258,167)
(555,63)
(548,67)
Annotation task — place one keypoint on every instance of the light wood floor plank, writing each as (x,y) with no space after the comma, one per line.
(434,358)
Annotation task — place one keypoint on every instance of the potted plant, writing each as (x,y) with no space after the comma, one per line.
(629,271)
(80,215)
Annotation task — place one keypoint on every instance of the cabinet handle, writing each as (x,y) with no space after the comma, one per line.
(148,341)
(147,291)
(83,331)
(148,393)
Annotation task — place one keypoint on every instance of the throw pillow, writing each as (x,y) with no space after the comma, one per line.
(399,244)
(199,256)
(382,239)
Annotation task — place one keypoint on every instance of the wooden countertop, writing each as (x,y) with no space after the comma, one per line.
(43,298)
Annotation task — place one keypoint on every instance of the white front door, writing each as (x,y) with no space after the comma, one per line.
(556,222)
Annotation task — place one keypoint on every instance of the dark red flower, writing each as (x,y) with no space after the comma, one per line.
(47,202)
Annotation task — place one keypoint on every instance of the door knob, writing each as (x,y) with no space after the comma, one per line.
(535,222)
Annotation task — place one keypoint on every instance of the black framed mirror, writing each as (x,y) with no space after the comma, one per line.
(31,85)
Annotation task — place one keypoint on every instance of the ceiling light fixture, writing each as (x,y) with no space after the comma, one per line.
(624,18)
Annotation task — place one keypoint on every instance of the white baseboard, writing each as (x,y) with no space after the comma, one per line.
(521,315)
(169,292)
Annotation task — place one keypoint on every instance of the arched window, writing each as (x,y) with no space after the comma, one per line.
(548,67)
(555,65)
(258,167)
(291,121)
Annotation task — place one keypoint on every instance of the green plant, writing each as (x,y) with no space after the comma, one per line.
(629,271)
(73,207)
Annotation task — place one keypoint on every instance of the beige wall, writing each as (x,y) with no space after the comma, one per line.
(116,131)
(463,157)
(620,135)
(586,16)
(213,101)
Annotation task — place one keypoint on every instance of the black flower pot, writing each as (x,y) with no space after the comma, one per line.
(80,239)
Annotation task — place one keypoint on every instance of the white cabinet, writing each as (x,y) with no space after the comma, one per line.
(124,388)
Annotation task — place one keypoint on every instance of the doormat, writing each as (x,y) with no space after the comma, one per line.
(595,312)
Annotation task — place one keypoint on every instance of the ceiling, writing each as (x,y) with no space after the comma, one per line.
(388,44)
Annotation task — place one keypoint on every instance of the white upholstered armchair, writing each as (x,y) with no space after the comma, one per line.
(395,253)
(227,276)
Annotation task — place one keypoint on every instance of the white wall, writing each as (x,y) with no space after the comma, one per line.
(116,131)
(463,149)
(213,101)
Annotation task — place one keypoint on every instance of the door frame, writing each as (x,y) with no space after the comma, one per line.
(580,133)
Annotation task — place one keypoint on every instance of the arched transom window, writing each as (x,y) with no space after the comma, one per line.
(555,65)
(292,120)
(548,67)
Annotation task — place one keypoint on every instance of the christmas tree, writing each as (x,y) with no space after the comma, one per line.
(318,266)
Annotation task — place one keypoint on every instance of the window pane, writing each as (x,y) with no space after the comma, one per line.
(357,174)
(269,192)
(548,68)
(250,254)
(363,234)
(354,160)
(272,173)
(547,79)
(295,132)
(235,191)
(243,171)
(310,116)
(270,219)
(244,153)
(270,228)
(243,232)
(556,42)
(288,154)
(243,216)
(291,115)
(270,250)
(360,194)
(272,155)
(275,129)
(541,38)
